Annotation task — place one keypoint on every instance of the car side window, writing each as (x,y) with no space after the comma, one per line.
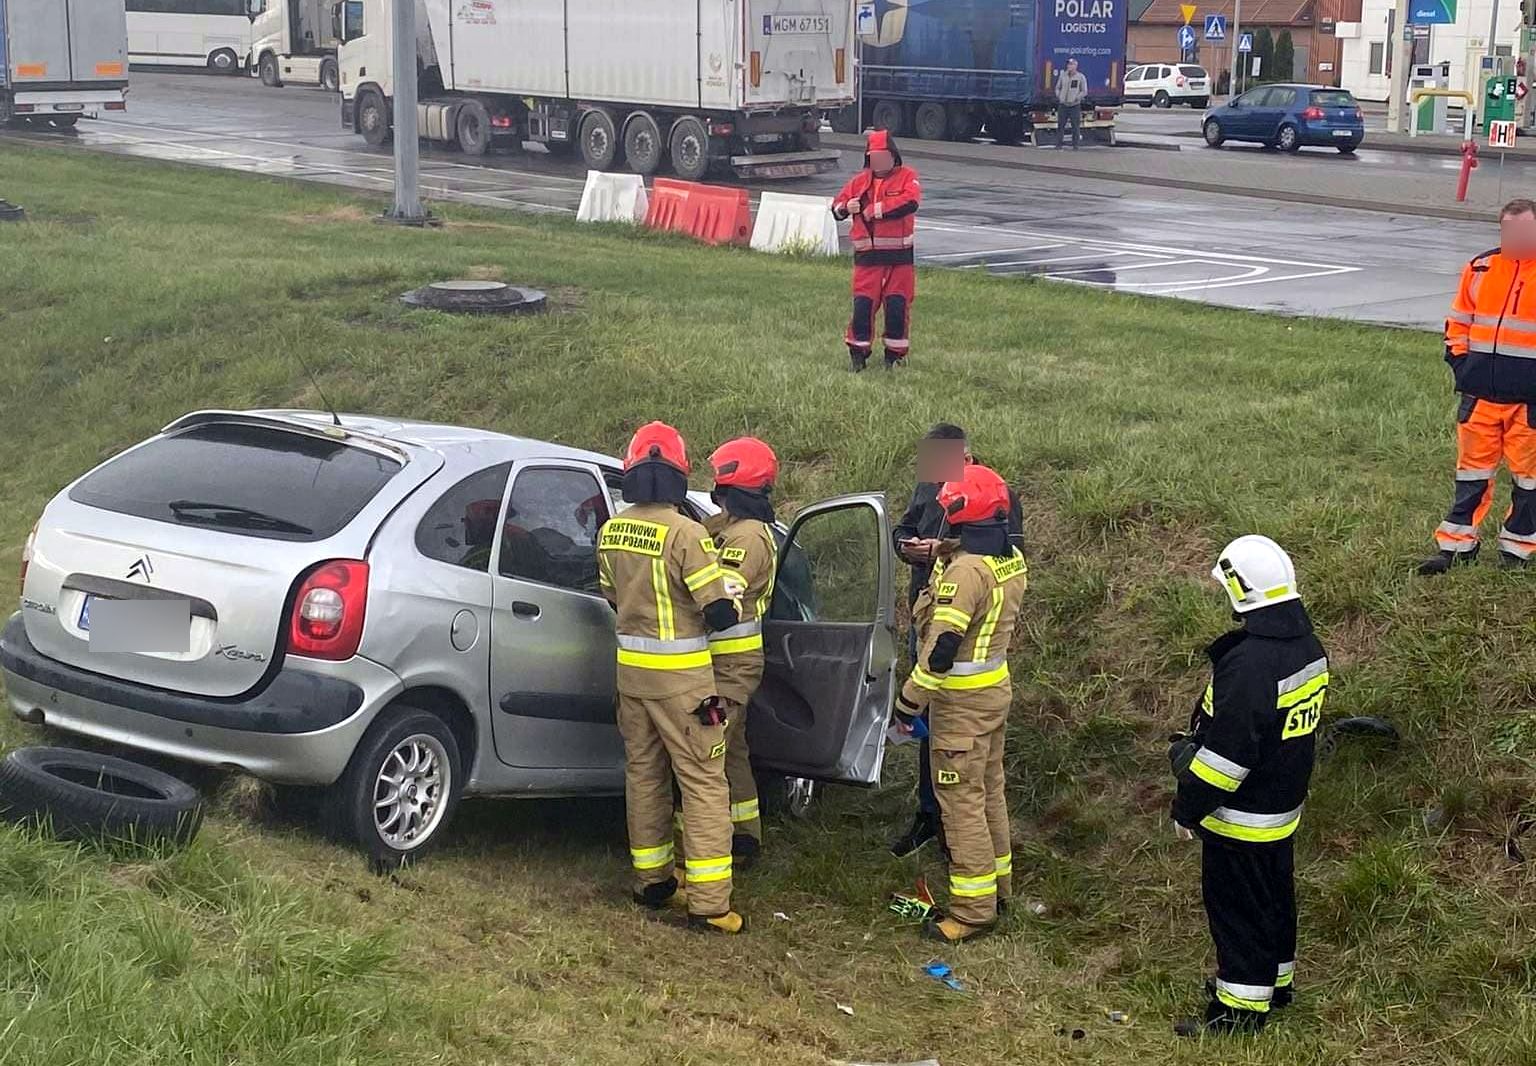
(1257,98)
(1135,75)
(1282,97)
(550,532)
(461,526)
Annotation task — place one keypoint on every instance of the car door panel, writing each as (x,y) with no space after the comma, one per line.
(829,647)
(552,633)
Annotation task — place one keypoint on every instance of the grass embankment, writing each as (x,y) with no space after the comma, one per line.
(1143,434)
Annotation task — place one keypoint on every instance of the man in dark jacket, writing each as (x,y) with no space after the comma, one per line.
(919,538)
(1243,774)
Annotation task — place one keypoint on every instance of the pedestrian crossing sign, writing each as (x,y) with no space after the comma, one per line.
(1215,28)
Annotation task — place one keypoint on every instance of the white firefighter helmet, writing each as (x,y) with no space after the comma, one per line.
(1256,573)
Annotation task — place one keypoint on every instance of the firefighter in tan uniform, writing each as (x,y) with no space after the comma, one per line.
(966,617)
(745,470)
(661,571)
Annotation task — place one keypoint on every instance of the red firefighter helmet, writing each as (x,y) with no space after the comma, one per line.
(981,495)
(745,463)
(657,442)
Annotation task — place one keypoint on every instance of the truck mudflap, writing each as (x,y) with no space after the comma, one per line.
(786,164)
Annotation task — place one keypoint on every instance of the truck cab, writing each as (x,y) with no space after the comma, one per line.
(294,42)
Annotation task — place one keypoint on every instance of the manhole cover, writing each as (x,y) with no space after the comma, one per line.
(10,212)
(477,297)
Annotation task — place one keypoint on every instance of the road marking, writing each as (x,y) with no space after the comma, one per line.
(991,251)
(1095,254)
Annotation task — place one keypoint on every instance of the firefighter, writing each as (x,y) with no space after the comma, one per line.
(1242,777)
(662,573)
(882,199)
(745,470)
(1490,343)
(967,617)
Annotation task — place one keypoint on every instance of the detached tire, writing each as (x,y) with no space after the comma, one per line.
(401,788)
(84,795)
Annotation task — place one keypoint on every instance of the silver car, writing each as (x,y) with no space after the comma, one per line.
(403,614)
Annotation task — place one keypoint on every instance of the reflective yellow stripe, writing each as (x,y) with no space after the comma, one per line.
(950,616)
(1208,701)
(666,629)
(1305,692)
(1005,865)
(651,858)
(1212,776)
(703,871)
(605,570)
(972,681)
(1261,1006)
(972,887)
(652,660)
(737,646)
(923,679)
(988,627)
(746,811)
(1247,833)
(1286,978)
(702,576)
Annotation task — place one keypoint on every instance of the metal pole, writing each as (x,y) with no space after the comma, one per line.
(407,207)
(1493,28)
(858,75)
(1237,30)
(1401,46)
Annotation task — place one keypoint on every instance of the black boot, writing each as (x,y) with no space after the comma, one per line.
(1511,561)
(894,359)
(925,827)
(858,357)
(744,850)
(1221,1020)
(1442,561)
(658,896)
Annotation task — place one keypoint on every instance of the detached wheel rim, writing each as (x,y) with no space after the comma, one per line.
(799,794)
(410,792)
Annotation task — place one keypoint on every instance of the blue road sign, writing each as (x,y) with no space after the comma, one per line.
(1186,38)
(1245,43)
(1215,27)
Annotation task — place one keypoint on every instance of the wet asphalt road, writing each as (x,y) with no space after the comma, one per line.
(1234,251)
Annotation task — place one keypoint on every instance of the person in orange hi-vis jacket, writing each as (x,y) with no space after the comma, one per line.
(1490,343)
(882,199)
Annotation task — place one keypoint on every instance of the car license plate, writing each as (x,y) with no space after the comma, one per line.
(85,614)
(69,107)
(1343,133)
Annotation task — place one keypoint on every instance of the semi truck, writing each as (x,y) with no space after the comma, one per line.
(60,59)
(735,85)
(947,69)
(293,42)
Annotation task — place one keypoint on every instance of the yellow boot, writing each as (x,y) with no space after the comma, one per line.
(729,923)
(953,931)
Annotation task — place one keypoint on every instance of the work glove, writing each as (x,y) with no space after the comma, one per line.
(907,715)
(1181,752)
(711,711)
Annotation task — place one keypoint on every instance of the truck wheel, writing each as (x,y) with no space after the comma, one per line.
(889,115)
(400,788)
(845,119)
(373,119)
(330,79)
(643,145)
(474,128)
(600,148)
(963,126)
(690,149)
(930,123)
(269,76)
(224,61)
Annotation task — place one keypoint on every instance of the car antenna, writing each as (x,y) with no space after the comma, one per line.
(313,380)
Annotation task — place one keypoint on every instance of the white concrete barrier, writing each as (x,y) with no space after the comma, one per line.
(790,223)
(613,198)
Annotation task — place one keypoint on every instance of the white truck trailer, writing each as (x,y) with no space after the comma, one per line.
(60,59)
(293,42)
(727,84)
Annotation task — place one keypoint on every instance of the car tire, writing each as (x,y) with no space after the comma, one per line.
(930,123)
(599,140)
(1162,99)
(792,798)
(87,795)
(644,146)
(889,115)
(472,128)
(1288,139)
(1214,137)
(224,61)
(413,747)
(689,145)
(373,118)
(330,78)
(269,75)
(1347,149)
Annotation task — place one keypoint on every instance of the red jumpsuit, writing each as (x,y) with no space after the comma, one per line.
(883,273)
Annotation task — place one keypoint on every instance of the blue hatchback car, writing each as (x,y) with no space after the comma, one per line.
(1289,117)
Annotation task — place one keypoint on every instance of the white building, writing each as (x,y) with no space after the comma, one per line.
(1366,44)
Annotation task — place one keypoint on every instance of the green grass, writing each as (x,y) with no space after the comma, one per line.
(1142,434)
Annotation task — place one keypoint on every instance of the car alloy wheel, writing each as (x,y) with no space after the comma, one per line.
(410,792)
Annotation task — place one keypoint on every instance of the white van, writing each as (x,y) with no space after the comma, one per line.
(1166,84)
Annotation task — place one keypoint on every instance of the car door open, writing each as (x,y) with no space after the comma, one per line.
(829,645)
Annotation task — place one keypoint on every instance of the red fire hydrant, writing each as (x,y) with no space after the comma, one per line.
(1468,164)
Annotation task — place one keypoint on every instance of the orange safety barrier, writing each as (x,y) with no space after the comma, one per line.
(711,213)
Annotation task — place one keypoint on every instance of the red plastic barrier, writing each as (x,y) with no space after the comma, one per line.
(711,213)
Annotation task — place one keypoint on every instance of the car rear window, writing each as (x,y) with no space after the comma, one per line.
(256,481)
(1193,72)
(1332,98)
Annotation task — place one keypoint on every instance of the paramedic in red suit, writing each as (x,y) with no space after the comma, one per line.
(882,200)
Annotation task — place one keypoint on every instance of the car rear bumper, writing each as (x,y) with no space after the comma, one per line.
(1323,135)
(300,729)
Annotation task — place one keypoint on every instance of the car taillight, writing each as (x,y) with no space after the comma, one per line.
(1359,115)
(1181,81)
(328,611)
(1312,114)
(23,109)
(116,105)
(26,557)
